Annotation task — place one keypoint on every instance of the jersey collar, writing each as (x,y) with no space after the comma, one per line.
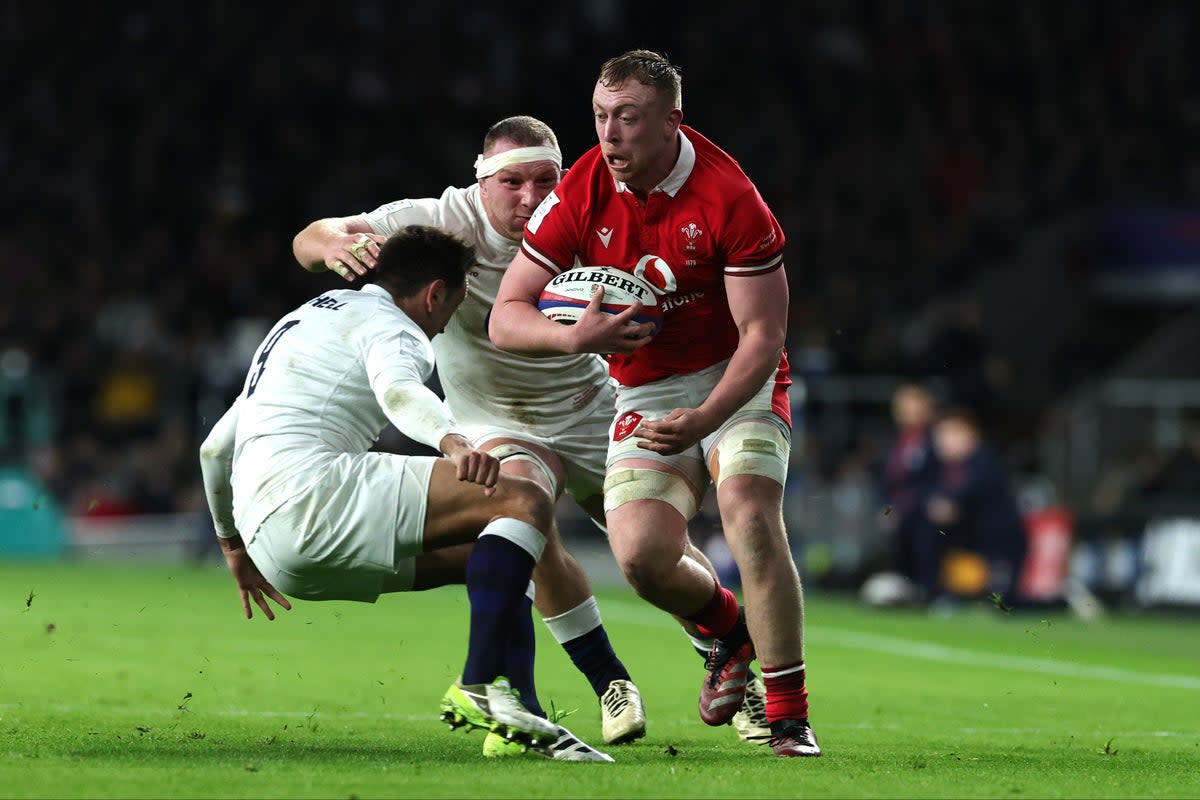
(375,288)
(679,173)
(378,291)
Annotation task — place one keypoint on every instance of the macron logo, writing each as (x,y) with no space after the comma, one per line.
(605,235)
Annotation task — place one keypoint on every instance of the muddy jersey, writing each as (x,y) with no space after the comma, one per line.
(484,384)
(706,221)
(317,390)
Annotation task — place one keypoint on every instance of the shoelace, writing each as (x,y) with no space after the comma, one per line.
(718,659)
(615,700)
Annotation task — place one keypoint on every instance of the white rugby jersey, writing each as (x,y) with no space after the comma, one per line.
(483,384)
(316,390)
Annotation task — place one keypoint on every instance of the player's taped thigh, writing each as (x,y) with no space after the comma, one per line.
(624,485)
(509,451)
(753,447)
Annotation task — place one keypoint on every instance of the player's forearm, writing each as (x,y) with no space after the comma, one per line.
(216,467)
(310,244)
(231,543)
(518,326)
(754,361)
(418,413)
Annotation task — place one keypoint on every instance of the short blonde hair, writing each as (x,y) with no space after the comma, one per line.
(646,67)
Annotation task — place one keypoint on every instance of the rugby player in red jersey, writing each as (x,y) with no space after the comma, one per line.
(705,399)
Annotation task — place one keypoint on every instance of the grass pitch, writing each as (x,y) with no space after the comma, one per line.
(144,681)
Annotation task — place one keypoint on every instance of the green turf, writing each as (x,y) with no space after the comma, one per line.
(144,681)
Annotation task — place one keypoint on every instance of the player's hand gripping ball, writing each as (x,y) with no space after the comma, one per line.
(568,294)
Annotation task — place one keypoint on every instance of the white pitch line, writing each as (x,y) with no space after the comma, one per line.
(323,716)
(931,651)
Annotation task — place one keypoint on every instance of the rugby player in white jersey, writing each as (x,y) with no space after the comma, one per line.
(545,418)
(289,465)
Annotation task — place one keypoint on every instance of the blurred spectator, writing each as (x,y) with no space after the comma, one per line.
(909,475)
(980,532)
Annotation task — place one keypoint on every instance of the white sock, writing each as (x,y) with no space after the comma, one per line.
(583,618)
(522,534)
(699,642)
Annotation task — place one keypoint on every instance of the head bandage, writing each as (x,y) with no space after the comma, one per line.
(519,155)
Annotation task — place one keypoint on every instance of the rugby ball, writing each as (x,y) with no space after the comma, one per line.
(568,294)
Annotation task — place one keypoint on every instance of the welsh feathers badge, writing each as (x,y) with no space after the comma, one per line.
(626,425)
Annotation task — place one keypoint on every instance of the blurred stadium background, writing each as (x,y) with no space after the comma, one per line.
(999,199)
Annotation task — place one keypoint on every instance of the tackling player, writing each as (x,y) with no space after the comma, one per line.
(704,399)
(325,519)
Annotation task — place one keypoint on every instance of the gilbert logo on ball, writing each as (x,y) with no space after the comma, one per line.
(568,294)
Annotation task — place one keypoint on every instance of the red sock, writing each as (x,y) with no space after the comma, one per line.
(719,615)
(786,696)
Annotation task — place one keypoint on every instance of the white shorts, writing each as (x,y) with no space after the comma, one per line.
(582,448)
(353,535)
(656,399)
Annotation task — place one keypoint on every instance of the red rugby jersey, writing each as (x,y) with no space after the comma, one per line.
(706,220)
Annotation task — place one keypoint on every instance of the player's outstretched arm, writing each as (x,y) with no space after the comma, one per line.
(517,325)
(216,468)
(345,245)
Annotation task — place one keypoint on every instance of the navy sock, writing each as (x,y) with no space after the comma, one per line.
(498,573)
(593,654)
(518,660)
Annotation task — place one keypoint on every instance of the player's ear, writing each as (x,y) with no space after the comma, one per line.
(675,118)
(435,294)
